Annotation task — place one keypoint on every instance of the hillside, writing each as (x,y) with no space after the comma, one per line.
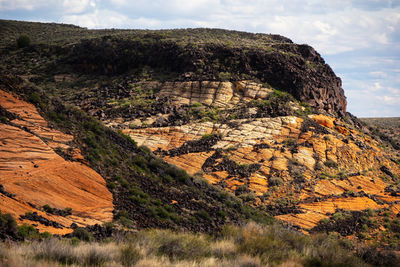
(189,129)
(386,130)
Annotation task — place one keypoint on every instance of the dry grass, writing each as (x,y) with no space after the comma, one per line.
(252,245)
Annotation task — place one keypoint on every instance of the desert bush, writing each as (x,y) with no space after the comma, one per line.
(275,181)
(224,248)
(331,251)
(55,250)
(175,246)
(8,225)
(82,234)
(27,231)
(318,166)
(177,173)
(95,256)
(129,255)
(23,41)
(331,164)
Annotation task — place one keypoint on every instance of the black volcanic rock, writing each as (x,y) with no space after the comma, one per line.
(297,69)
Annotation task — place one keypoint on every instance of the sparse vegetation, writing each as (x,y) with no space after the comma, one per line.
(251,244)
(23,41)
(331,164)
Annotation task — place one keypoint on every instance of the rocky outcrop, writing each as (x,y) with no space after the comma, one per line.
(297,69)
(33,174)
(218,94)
(301,170)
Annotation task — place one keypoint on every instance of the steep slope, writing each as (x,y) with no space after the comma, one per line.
(33,174)
(146,191)
(301,169)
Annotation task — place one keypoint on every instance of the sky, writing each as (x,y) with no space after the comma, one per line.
(359,39)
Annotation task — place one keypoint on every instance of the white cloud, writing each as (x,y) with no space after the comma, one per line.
(394,91)
(77,6)
(390,100)
(97,19)
(377,87)
(25,4)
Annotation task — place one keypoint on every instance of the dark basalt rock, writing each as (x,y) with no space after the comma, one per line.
(4,192)
(194,146)
(348,224)
(233,169)
(38,218)
(297,69)
(276,210)
(386,170)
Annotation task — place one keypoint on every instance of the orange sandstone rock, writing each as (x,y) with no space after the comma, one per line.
(323,120)
(30,169)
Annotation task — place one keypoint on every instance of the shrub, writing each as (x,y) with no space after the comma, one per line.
(203,214)
(95,257)
(129,255)
(177,246)
(197,105)
(224,76)
(54,250)
(23,41)
(47,208)
(178,174)
(275,181)
(318,166)
(34,98)
(27,231)
(82,234)
(331,164)
(8,225)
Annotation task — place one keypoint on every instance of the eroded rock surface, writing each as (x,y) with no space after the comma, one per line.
(301,170)
(34,174)
(219,94)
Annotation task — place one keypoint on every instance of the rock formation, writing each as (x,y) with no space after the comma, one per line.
(33,173)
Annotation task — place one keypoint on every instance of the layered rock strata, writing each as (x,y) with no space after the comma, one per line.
(301,170)
(33,173)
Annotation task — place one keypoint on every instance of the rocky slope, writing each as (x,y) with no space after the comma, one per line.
(140,189)
(34,173)
(302,170)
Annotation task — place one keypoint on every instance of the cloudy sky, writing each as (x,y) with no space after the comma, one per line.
(359,39)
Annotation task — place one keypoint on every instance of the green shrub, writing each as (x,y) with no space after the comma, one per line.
(331,164)
(95,257)
(275,181)
(129,255)
(47,208)
(82,234)
(203,214)
(34,98)
(318,166)
(177,173)
(23,41)
(177,246)
(224,76)
(8,225)
(55,250)
(197,105)
(27,231)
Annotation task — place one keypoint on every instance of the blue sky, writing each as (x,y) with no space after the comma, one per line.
(359,39)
